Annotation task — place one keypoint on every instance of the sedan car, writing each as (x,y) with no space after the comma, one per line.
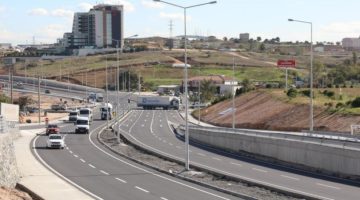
(52,129)
(55,141)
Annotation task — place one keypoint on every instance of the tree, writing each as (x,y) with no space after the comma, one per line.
(258,39)
(319,70)
(225,39)
(354,58)
(262,47)
(208,90)
(24,101)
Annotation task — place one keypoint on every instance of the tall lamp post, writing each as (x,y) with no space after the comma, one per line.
(311,72)
(186,74)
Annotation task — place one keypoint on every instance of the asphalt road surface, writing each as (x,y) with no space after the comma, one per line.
(105,175)
(150,128)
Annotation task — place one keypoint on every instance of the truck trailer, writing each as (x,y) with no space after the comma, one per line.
(154,102)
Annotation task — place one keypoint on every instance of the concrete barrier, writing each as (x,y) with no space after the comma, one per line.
(9,173)
(339,158)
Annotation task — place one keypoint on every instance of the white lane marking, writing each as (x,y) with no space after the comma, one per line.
(135,122)
(170,144)
(225,172)
(152,173)
(67,148)
(142,125)
(104,172)
(328,186)
(70,152)
(163,198)
(259,170)
(76,156)
(121,180)
(92,166)
(200,154)
(161,125)
(139,188)
(82,160)
(152,122)
(61,176)
(237,164)
(215,158)
(290,177)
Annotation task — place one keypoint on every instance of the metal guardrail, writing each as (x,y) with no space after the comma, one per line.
(338,139)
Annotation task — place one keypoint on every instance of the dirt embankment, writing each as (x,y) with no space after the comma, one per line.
(259,110)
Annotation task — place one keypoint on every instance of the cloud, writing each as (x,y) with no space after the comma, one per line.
(62,13)
(128,7)
(152,4)
(174,16)
(342,29)
(85,6)
(2,9)
(38,12)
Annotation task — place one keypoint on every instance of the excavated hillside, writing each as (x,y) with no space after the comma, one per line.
(259,110)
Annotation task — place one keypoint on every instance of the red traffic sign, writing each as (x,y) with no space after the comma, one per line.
(286,63)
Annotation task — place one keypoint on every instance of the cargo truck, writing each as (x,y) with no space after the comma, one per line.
(153,102)
(106,111)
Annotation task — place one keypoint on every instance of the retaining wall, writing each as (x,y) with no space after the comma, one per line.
(9,174)
(329,156)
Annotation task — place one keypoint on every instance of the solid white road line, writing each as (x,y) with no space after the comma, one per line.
(104,172)
(200,154)
(92,166)
(121,180)
(82,160)
(289,177)
(237,164)
(215,158)
(259,170)
(139,188)
(328,186)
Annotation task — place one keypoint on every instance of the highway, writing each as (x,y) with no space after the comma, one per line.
(105,175)
(150,128)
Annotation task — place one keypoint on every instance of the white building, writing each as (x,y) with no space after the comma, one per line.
(244,37)
(351,43)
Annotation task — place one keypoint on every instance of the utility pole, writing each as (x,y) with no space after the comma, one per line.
(39,105)
(11,83)
(107,95)
(233,95)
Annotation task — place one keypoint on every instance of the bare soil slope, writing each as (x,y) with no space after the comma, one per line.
(259,110)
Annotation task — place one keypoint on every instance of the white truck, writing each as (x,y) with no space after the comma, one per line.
(82,125)
(86,112)
(153,102)
(106,111)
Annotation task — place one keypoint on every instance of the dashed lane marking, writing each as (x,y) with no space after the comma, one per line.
(237,164)
(121,180)
(139,188)
(104,172)
(92,166)
(290,177)
(82,160)
(259,170)
(328,186)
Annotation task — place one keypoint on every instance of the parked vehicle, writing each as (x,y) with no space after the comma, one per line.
(86,112)
(55,141)
(52,129)
(106,111)
(73,115)
(153,102)
(82,125)
(57,107)
(47,91)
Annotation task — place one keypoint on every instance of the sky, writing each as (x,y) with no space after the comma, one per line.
(47,20)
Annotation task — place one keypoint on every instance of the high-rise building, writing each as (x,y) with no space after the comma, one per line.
(101,27)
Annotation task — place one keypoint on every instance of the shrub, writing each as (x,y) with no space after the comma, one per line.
(329,93)
(356,102)
(340,105)
(292,93)
(306,93)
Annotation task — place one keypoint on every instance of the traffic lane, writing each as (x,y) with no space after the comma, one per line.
(135,174)
(174,117)
(74,167)
(302,183)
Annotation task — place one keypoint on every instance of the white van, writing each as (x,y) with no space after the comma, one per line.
(86,112)
(82,125)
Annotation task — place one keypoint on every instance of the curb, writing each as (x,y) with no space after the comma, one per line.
(228,177)
(168,173)
(32,194)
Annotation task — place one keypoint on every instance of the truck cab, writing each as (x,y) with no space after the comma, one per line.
(73,115)
(82,125)
(106,111)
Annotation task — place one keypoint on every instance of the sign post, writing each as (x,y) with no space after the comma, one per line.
(286,64)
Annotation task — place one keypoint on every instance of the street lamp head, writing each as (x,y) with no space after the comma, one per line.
(290,20)
(156,0)
(213,2)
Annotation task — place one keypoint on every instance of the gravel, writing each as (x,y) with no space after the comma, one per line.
(178,170)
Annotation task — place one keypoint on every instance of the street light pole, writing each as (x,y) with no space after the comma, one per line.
(233,95)
(311,128)
(186,76)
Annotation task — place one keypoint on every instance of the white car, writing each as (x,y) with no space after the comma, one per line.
(55,141)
